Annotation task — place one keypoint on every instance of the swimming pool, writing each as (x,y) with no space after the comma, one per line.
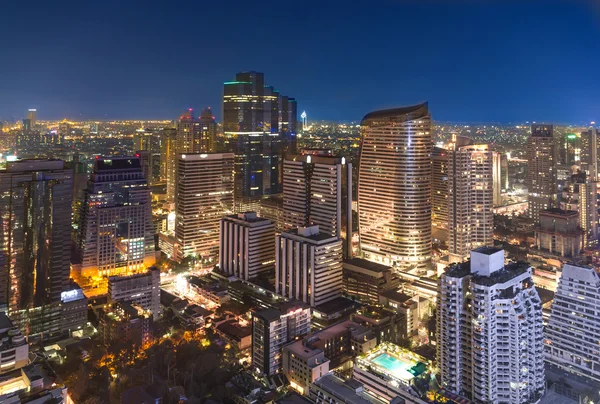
(397,367)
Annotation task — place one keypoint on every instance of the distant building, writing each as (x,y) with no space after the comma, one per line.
(143,290)
(204,195)
(559,233)
(366,280)
(573,330)
(394,187)
(439,187)
(116,231)
(247,247)
(272,329)
(490,317)
(308,265)
(541,170)
(168,161)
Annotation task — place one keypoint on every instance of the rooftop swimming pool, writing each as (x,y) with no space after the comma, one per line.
(396,366)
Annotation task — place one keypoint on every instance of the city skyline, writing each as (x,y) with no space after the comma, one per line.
(483,72)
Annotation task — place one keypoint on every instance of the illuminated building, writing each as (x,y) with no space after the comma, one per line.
(149,145)
(146,163)
(541,170)
(394,187)
(572,333)
(317,190)
(247,246)
(589,152)
(489,335)
(272,329)
(14,351)
(439,188)
(302,365)
(64,129)
(204,195)
(116,228)
(581,195)
(252,113)
(27,125)
(497,178)
(142,290)
(32,116)
(196,135)
(125,322)
(208,131)
(470,199)
(308,265)
(366,280)
(332,389)
(558,233)
(169,161)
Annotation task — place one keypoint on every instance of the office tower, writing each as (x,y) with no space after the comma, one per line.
(208,131)
(308,265)
(246,245)
(558,233)
(394,187)
(589,151)
(489,334)
(142,290)
(497,178)
(541,170)
(288,123)
(188,133)
(169,160)
(146,163)
(32,116)
(204,195)
(504,172)
(366,281)
(272,329)
(123,322)
(35,236)
(317,190)
(64,129)
(117,236)
(470,199)
(26,125)
(251,122)
(439,187)
(573,330)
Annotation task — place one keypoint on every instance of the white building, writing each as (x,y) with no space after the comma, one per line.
(273,328)
(470,199)
(204,195)
(14,350)
(573,330)
(246,245)
(303,365)
(308,265)
(141,289)
(489,337)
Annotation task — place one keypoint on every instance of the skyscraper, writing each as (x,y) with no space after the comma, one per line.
(117,235)
(394,187)
(308,265)
(169,160)
(439,187)
(204,195)
(489,336)
(573,330)
(317,190)
(246,245)
(32,116)
(35,233)
(251,122)
(208,131)
(541,171)
(148,141)
(589,151)
(470,199)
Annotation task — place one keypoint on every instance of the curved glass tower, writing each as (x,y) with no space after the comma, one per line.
(394,187)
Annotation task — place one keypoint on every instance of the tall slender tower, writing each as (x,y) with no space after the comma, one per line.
(470,199)
(394,187)
(541,172)
(208,131)
(168,161)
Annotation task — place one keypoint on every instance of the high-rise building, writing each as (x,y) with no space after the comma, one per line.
(116,231)
(558,233)
(489,336)
(590,152)
(272,329)
(32,116)
(142,290)
(439,187)
(27,125)
(148,141)
(204,195)
(146,163)
(247,246)
(497,178)
(169,161)
(317,190)
(208,131)
(573,330)
(541,171)
(394,187)
(258,131)
(308,265)
(35,233)
(64,129)
(470,199)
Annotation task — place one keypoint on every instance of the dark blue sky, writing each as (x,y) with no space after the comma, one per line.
(473,60)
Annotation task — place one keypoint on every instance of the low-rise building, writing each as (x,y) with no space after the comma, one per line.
(366,280)
(31,385)
(140,289)
(209,288)
(236,335)
(303,365)
(125,322)
(330,389)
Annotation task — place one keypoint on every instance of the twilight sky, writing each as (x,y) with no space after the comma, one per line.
(473,60)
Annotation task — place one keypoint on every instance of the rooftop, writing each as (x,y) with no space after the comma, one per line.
(306,234)
(503,275)
(397,114)
(397,296)
(487,250)
(350,391)
(370,265)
